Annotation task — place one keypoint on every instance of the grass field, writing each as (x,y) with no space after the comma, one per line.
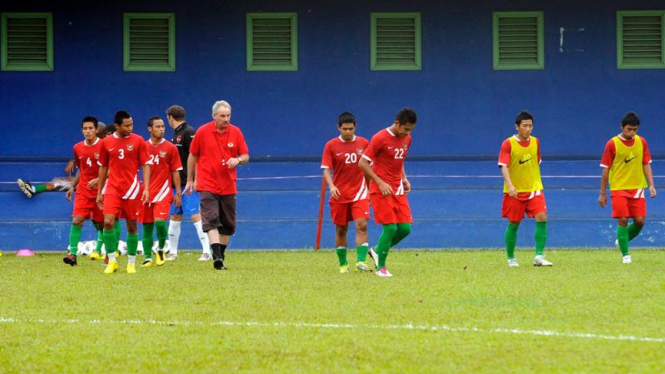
(292,312)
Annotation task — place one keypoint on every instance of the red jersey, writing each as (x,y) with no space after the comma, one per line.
(164,160)
(86,158)
(123,157)
(386,153)
(214,149)
(342,157)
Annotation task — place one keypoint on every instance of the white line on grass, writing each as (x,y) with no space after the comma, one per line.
(341,326)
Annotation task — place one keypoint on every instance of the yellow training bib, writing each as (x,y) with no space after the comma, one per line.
(627,171)
(523,168)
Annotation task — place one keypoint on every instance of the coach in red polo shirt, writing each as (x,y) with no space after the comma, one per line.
(217,149)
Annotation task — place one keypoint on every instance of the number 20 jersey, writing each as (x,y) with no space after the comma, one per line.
(342,157)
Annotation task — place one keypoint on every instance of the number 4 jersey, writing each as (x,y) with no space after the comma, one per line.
(342,157)
(387,152)
(86,158)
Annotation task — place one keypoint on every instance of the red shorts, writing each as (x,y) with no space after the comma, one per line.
(623,206)
(391,209)
(343,213)
(514,209)
(86,207)
(127,209)
(153,211)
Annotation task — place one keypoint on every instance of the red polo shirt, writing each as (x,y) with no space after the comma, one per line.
(214,149)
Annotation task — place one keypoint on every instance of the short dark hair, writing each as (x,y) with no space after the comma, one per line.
(346,117)
(177,112)
(110,129)
(406,115)
(152,120)
(120,116)
(90,119)
(630,118)
(522,116)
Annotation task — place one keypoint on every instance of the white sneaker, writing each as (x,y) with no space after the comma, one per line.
(374,256)
(627,259)
(540,261)
(205,257)
(384,273)
(512,262)
(171,257)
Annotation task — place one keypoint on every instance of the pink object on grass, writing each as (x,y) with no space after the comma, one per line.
(24,253)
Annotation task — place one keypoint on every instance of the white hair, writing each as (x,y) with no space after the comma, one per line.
(220,104)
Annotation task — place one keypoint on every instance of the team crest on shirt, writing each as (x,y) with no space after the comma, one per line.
(130,147)
(96,155)
(359,151)
(162,154)
(230,144)
(406,146)
(178,139)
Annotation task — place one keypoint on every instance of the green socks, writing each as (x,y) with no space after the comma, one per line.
(541,237)
(132,244)
(633,231)
(39,188)
(147,240)
(74,238)
(100,241)
(341,255)
(110,241)
(385,240)
(622,237)
(403,230)
(361,252)
(511,239)
(162,233)
(117,231)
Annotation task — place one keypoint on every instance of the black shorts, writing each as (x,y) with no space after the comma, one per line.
(218,212)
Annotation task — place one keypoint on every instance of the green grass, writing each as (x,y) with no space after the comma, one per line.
(54,318)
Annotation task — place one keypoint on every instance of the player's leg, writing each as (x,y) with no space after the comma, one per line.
(175,221)
(74,239)
(403,218)
(340,247)
(227,217)
(162,233)
(360,215)
(637,210)
(383,246)
(147,219)
(635,228)
(210,216)
(132,210)
(540,235)
(621,212)
(110,239)
(98,221)
(513,210)
(191,207)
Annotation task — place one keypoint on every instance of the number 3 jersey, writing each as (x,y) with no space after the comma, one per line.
(86,158)
(342,157)
(165,160)
(387,152)
(123,157)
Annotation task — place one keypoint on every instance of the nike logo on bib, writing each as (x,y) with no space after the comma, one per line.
(524,161)
(627,160)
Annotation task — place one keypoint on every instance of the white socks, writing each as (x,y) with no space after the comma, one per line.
(203,237)
(132,259)
(174,237)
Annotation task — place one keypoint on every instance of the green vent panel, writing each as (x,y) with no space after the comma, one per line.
(272,41)
(640,43)
(27,42)
(149,42)
(395,41)
(518,41)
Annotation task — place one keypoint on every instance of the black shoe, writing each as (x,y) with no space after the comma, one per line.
(70,260)
(219,264)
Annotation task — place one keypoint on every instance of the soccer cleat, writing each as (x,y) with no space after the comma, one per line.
(219,264)
(627,260)
(111,268)
(160,258)
(512,262)
(70,260)
(131,269)
(171,257)
(147,264)
(344,268)
(374,256)
(205,257)
(26,187)
(540,261)
(95,256)
(384,273)
(362,266)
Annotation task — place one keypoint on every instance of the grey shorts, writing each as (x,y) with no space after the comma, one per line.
(218,212)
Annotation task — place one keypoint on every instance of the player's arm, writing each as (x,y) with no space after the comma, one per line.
(69,169)
(75,183)
(176,184)
(384,187)
(512,191)
(145,198)
(604,177)
(648,173)
(405,181)
(334,191)
(605,163)
(191,174)
(103,173)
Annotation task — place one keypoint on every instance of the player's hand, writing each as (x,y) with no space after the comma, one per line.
(334,192)
(178,200)
(602,200)
(145,196)
(407,185)
(385,189)
(69,194)
(93,183)
(189,187)
(652,192)
(512,191)
(100,202)
(233,162)
(69,169)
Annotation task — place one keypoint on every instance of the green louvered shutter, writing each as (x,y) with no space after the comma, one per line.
(395,41)
(149,42)
(272,41)
(27,42)
(640,43)
(518,41)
